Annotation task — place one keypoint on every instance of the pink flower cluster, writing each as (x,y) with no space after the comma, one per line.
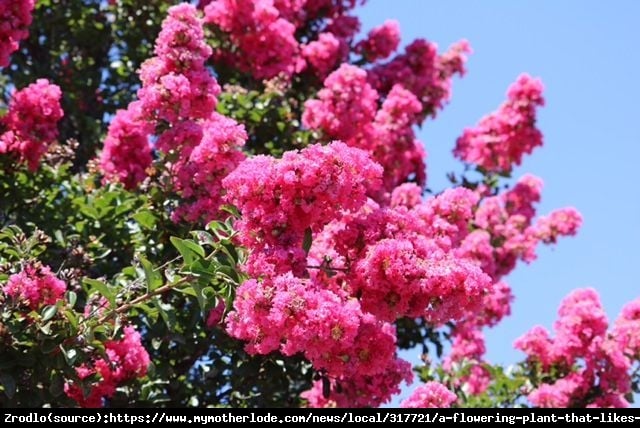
(281,199)
(176,85)
(126,360)
(199,173)
(361,390)
(423,72)
(430,395)
(399,278)
(381,42)
(562,222)
(347,109)
(264,42)
(14,26)
(587,365)
(501,139)
(126,154)
(345,105)
(31,124)
(36,286)
(323,54)
(177,103)
(397,266)
(261,37)
(369,264)
(295,316)
(505,231)
(626,328)
(494,233)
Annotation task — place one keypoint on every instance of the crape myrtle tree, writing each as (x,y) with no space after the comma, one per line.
(223,203)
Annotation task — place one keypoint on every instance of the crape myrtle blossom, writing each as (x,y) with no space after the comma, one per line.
(347,108)
(15,18)
(35,286)
(430,395)
(126,360)
(176,105)
(422,72)
(500,140)
(595,360)
(31,123)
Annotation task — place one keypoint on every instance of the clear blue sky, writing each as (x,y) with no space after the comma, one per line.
(587,54)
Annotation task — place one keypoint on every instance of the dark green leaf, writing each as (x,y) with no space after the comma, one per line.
(102,288)
(308,240)
(153,277)
(189,250)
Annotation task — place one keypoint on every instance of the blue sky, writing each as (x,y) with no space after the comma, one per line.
(587,54)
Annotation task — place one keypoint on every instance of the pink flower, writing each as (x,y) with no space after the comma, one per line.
(398,278)
(127,360)
(381,42)
(421,71)
(581,320)
(216,315)
(347,109)
(32,122)
(626,328)
(344,106)
(264,42)
(16,18)
(501,139)
(538,346)
(280,199)
(294,316)
(562,222)
(355,390)
(36,286)
(430,395)
(126,154)
(406,195)
(323,54)
(205,161)
(582,366)
(558,394)
(176,85)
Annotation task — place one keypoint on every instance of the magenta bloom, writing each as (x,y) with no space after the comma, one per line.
(501,139)
(127,360)
(14,26)
(36,286)
(430,395)
(32,122)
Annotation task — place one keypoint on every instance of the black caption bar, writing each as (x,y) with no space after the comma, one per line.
(335,416)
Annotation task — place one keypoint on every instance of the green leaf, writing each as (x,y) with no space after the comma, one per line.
(69,355)
(49,312)
(202,294)
(146,219)
(189,250)
(8,384)
(231,209)
(72,297)
(153,277)
(102,288)
(308,240)
(90,211)
(72,318)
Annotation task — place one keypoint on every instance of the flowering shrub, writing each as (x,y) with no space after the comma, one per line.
(244,220)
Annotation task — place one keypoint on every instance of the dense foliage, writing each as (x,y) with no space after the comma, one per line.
(224,204)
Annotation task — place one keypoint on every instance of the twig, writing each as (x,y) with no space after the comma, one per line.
(143,298)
